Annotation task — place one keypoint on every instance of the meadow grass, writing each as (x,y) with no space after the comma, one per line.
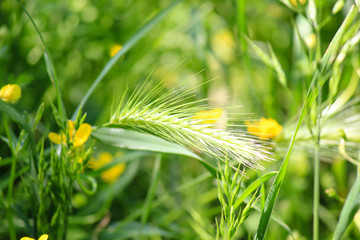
(163,154)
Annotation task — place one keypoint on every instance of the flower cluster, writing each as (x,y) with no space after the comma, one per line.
(42,237)
(77,137)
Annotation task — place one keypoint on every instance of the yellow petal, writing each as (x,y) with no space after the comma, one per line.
(102,159)
(115,49)
(82,134)
(113,173)
(44,237)
(209,116)
(265,128)
(10,93)
(26,238)
(71,129)
(55,138)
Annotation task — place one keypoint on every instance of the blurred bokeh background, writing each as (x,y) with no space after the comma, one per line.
(200,44)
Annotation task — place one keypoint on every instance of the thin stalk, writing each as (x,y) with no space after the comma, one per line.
(151,193)
(316,200)
(49,65)
(241,24)
(9,199)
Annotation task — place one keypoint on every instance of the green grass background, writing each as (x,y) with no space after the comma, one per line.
(198,41)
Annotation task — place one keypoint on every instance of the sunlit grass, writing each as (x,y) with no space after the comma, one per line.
(103,123)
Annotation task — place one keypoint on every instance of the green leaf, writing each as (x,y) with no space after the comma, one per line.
(252,187)
(9,110)
(124,138)
(312,13)
(263,56)
(351,206)
(278,68)
(151,191)
(49,65)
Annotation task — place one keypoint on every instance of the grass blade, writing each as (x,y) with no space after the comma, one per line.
(252,187)
(127,46)
(49,65)
(351,206)
(17,117)
(123,138)
(326,61)
(151,192)
(130,139)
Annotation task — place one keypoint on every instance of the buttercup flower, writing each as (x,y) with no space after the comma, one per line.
(10,93)
(115,49)
(111,174)
(210,116)
(77,138)
(265,128)
(42,237)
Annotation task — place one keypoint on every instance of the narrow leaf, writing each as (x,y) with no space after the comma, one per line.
(263,56)
(130,139)
(124,138)
(278,68)
(17,117)
(49,65)
(151,191)
(252,187)
(351,206)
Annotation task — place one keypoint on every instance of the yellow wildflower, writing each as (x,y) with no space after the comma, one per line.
(10,93)
(77,138)
(265,128)
(115,49)
(310,40)
(42,237)
(111,174)
(295,2)
(212,116)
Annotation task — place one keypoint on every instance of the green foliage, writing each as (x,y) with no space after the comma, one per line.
(137,175)
(229,190)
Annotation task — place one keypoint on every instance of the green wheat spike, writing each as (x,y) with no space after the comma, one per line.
(170,116)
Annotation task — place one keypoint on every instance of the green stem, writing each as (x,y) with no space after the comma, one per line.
(316,199)
(49,65)
(151,193)
(9,214)
(10,199)
(241,24)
